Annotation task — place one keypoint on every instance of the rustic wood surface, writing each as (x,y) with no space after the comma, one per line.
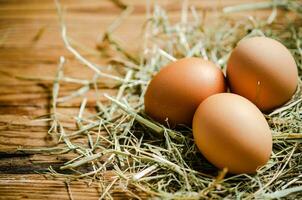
(30,45)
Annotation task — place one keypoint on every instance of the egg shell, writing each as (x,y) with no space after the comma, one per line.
(264,71)
(178,88)
(231,132)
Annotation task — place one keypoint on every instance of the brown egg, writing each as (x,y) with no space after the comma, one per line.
(264,71)
(230,131)
(176,91)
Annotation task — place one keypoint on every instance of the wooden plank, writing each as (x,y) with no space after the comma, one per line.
(37,187)
(17,163)
(14,187)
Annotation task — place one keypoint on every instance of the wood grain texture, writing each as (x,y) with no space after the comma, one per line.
(14,187)
(21,101)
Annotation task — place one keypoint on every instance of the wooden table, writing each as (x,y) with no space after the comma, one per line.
(30,46)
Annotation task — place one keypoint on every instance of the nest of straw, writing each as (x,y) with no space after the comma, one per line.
(151,158)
